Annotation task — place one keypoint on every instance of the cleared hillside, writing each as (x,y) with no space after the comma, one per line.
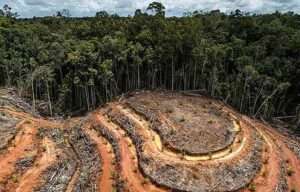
(146,141)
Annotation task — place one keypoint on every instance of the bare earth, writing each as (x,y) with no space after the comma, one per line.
(148,141)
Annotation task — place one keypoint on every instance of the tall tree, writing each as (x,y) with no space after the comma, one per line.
(158,8)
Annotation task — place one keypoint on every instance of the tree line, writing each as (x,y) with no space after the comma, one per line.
(250,61)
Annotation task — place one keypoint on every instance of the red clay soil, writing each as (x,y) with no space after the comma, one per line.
(106,181)
(293,164)
(26,144)
(134,179)
(23,144)
(267,179)
(32,178)
(269,176)
(276,152)
(292,161)
(140,128)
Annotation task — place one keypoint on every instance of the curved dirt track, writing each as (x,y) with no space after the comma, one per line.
(105,151)
(149,141)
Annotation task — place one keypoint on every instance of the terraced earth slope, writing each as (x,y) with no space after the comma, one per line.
(146,141)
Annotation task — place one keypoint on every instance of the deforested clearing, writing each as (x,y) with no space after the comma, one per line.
(181,96)
(147,141)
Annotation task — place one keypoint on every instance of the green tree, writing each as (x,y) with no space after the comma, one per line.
(7,12)
(158,8)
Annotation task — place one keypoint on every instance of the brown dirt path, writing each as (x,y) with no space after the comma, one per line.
(292,161)
(267,179)
(32,178)
(130,172)
(105,151)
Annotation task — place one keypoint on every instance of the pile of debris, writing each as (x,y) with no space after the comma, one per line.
(88,158)
(58,175)
(8,129)
(10,98)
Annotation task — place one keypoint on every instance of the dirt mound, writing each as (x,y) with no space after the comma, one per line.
(148,141)
(193,126)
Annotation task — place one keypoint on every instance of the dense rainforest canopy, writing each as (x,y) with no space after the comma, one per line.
(251,62)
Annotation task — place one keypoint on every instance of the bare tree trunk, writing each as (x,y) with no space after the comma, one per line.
(93,96)
(195,75)
(203,66)
(128,80)
(87,97)
(172,73)
(265,101)
(49,99)
(33,95)
(298,117)
(139,80)
(8,76)
(243,95)
(256,99)
(106,97)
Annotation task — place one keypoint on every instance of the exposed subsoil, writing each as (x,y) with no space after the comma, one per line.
(105,151)
(148,141)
